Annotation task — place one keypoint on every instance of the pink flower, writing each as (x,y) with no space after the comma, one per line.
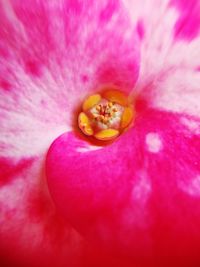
(135,202)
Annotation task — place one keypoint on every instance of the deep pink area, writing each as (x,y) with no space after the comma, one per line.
(188,25)
(10,169)
(109,10)
(97,191)
(140,29)
(5,85)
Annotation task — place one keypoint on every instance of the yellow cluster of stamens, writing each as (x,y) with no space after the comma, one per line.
(105,112)
(103,109)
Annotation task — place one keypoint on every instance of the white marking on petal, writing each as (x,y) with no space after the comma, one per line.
(88,148)
(177,90)
(191,187)
(153,142)
(191,125)
(142,188)
(10,195)
(34,140)
(136,212)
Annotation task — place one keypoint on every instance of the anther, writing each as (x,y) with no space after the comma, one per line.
(84,124)
(107,134)
(98,108)
(110,104)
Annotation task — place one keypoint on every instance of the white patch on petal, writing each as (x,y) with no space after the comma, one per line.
(88,149)
(33,119)
(11,196)
(191,187)
(153,142)
(34,141)
(191,125)
(136,212)
(142,188)
(158,20)
(177,91)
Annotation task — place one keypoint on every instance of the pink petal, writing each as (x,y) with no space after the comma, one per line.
(169,75)
(137,199)
(31,231)
(52,54)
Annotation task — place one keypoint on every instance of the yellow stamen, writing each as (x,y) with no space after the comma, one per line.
(127,117)
(107,134)
(116,96)
(95,116)
(110,104)
(84,124)
(105,120)
(98,108)
(91,101)
(102,117)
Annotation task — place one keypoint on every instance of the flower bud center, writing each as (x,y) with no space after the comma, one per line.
(106,115)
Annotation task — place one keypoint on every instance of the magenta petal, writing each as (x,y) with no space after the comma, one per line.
(137,196)
(187,26)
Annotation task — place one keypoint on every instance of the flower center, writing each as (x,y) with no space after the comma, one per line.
(105,116)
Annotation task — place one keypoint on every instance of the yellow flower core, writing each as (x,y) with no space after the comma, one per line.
(105,116)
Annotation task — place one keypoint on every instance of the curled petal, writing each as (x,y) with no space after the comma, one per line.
(122,197)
